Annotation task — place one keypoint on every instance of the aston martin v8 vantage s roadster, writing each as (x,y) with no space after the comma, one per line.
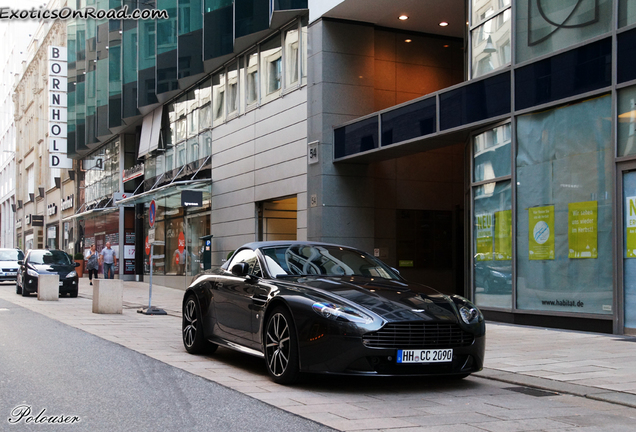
(323,308)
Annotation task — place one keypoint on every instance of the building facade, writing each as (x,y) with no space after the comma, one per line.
(483,147)
(41,187)
(12,52)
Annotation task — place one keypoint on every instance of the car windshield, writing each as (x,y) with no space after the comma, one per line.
(324,260)
(49,257)
(11,255)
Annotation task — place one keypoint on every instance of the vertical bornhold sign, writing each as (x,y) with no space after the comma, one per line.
(58,71)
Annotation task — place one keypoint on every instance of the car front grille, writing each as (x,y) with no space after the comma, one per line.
(414,335)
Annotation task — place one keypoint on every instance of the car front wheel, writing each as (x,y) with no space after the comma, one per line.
(192,329)
(281,347)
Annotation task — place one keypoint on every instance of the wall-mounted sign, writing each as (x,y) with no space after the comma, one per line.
(133,173)
(541,233)
(191,198)
(67,203)
(58,103)
(51,209)
(27,219)
(583,229)
(312,153)
(503,235)
(37,220)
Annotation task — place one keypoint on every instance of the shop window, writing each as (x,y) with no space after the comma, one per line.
(277,219)
(491,44)
(564,209)
(491,152)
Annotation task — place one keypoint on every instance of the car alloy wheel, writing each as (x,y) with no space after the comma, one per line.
(192,332)
(281,351)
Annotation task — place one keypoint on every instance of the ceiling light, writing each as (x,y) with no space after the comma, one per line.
(408,40)
(443,24)
(403,17)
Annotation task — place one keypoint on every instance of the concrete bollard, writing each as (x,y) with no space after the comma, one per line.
(108,296)
(49,287)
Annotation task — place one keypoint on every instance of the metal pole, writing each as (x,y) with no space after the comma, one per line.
(152,251)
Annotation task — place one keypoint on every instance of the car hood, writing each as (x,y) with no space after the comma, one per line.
(9,264)
(391,300)
(59,269)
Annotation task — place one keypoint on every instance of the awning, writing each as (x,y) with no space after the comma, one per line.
(91,213)
(150,132)
(171,191)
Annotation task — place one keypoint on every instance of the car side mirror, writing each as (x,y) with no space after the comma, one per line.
(77,264)
(21,262)
(240,269)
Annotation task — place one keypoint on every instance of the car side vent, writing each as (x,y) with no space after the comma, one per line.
(418,335)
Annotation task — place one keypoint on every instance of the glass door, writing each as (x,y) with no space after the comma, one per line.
(628,184)
(197,226)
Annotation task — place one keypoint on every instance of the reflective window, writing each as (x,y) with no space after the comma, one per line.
(491,153)
(491,44)
(548,26)
(292,59)
(271,66)
(411,121)
(251,78)
(626,12)
(492,245)
(564,208)
(218,98)
(626,56)
(627,121)
(232,89)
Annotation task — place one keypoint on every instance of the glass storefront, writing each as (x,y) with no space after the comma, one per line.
(564,166)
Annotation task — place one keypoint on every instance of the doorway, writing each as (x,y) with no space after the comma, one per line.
(277,219)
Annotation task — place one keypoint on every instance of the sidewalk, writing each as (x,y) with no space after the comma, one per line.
(595,366)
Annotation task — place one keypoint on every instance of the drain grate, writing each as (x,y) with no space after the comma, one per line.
(532,391)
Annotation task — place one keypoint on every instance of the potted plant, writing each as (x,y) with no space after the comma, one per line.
(79,258)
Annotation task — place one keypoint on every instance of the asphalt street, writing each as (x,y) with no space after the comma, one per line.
(70,374)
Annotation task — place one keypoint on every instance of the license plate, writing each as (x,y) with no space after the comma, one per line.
(425,356)
(61,283)
(11,274)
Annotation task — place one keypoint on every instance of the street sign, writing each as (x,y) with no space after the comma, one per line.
(151,236)
(147,246)
(152,214)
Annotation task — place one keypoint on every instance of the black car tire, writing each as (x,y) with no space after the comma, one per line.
(24,293)
(18,288)
(281,347)
(192,329)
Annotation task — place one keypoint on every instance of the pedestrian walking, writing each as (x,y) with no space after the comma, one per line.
(108,257)
(91,263)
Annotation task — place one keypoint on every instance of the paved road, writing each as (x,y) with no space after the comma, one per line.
(47,365)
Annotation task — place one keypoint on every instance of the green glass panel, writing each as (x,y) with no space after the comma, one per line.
(190,16)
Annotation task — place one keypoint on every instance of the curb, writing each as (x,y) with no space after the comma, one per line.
(603,395)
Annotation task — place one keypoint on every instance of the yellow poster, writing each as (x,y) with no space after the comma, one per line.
(583,229)
(503,235)
(541,233)
(630,227)
(484,237)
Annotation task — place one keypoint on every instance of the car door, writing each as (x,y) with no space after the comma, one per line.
(233,303)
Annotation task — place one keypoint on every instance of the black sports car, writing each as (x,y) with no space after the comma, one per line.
(44,261)
(316,307)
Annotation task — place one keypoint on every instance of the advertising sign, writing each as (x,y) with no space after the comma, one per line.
(541,233)
(630,227)
(503,235)
(583,229)
(484,237)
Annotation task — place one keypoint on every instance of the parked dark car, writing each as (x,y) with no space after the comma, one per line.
(44,261)
(9,264)
(324,308)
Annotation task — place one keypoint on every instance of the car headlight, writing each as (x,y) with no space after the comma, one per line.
(341,313)
(32,273)
(73,273)
(469,313)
